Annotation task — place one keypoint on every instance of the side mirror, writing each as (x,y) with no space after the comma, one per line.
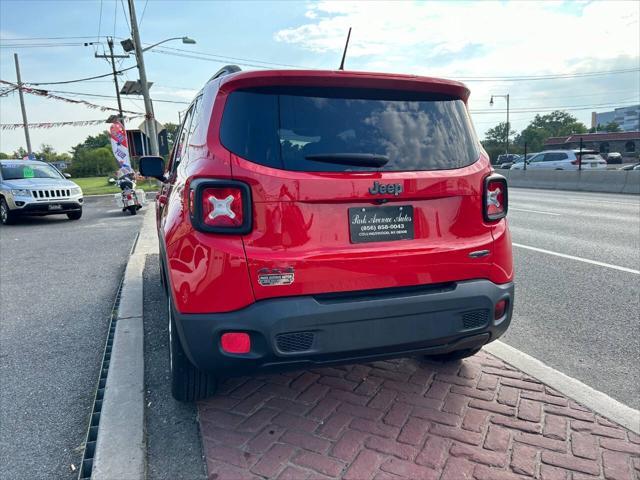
(112,180)
(67,175)
(152,167)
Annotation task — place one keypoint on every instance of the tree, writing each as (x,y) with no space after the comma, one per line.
(554,124)
(19,153)
(610,127)
(93,162)
(91,142)
(498,134)
(46,153)
(4,156)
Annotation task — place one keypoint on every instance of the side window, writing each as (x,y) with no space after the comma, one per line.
(537,158)
(554,157)
(205,109)
(196,118)
(180,147)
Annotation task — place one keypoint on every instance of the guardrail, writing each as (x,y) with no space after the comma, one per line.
(610,181)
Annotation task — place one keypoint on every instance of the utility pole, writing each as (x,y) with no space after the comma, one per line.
(508,126)
(24,110)
(115,74)
(506,97)
(144,87)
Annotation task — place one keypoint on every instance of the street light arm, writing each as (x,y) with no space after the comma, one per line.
(163,41)
(188,40)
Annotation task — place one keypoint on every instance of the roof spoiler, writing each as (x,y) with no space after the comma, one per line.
(226,70)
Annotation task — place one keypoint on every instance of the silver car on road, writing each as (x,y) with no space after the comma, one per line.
(30,187)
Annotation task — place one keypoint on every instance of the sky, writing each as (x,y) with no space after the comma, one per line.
(485,44)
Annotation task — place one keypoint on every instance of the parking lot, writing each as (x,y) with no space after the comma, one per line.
(576,260)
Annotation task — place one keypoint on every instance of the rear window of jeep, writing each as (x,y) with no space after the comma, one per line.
(281,127)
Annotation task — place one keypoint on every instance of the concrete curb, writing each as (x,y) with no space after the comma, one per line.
(591,398)
(120,446)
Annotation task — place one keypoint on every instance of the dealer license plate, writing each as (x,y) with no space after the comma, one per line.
(380,224)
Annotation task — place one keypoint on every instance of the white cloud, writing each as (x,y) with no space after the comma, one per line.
(457,39)
(516,36)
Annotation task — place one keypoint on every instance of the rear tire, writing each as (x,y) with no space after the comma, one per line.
(132,209)
(6,217)
(454,356)
(188,383)
(74,215)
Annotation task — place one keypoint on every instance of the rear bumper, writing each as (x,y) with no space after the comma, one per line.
(307,331)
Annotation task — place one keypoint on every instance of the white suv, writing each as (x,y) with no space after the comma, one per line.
(564,160)
(30,187)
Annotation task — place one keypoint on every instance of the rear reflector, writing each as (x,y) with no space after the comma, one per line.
(236,342)
(495,197)
(501,308)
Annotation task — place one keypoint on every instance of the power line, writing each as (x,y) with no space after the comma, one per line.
(97,95)
(598,94)
(80,79)
(144,9)
(183,55)
(533,108)
(47,94)
(46,45)
(44,38)
(115,17)
(230,58)
(99,23)
(547,77)
(552,109)
(124,12)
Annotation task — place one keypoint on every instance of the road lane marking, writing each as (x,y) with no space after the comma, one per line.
(579,259)
(534,211)
(547,193)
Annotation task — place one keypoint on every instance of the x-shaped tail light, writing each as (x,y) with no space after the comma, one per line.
(221,207)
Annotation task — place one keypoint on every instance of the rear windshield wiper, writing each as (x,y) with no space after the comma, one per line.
(355,159)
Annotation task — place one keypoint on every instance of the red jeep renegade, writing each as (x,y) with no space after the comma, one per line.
(315,217)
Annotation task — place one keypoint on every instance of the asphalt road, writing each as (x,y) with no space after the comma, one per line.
(58,280)
(579,317)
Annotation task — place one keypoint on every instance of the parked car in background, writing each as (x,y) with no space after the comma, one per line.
(614,157)
(31,187)
(296,232)
(521,161)
(564,160)
(505,160)
(632,166)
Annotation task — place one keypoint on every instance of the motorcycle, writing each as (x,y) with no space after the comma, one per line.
(130,199)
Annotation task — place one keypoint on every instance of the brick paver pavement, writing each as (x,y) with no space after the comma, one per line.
(476,419)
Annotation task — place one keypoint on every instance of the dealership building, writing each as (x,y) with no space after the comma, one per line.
(626,143)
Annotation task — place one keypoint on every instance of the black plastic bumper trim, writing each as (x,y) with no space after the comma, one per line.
(366,329)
